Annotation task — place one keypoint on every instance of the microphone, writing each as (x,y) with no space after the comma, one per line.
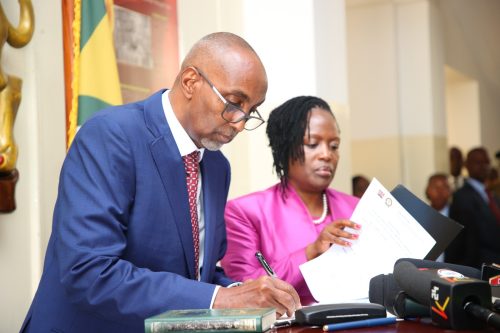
(465,270)
(456,301)
(384,289)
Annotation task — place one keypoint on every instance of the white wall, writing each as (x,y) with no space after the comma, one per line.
(397,52)
(302,46)
(471,30)
(396,85)
(39,132)
(421,92)
(462,110)
(373,90)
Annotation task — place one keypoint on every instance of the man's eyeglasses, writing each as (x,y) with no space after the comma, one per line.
(233,113)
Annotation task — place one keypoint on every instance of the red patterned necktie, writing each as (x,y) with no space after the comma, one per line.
(191,165)
(493,206)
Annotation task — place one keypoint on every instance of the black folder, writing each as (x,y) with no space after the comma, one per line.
(441,228)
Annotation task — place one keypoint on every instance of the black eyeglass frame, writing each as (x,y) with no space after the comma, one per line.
(230,108)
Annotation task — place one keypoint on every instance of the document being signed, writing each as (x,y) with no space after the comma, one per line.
(388,232)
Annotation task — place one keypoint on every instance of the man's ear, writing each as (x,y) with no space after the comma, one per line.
(427,193)
(189,77)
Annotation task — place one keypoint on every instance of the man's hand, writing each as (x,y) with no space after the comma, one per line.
(261,293)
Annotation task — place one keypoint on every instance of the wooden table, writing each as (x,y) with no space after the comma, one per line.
(402,326)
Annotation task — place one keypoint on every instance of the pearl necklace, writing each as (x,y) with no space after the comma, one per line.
(325,211)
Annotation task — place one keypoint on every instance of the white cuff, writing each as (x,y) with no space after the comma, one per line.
(216,290)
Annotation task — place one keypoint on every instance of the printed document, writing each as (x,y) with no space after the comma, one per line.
(388,232)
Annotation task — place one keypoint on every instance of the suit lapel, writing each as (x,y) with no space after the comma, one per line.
(170,167)
(477,197)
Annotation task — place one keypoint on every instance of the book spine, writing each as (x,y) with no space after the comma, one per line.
(206,326)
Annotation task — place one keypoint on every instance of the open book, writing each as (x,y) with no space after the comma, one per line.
(390,230)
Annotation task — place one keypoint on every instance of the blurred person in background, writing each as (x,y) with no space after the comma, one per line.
(438,193)
(477,209)
(456,160)
(359,185)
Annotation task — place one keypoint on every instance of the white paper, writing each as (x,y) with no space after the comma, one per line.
(388,232)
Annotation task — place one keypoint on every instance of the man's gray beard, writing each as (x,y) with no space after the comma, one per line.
(210,144)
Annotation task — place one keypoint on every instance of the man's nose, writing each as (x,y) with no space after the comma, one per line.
(239,126)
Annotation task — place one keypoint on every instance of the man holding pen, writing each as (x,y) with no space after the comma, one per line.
(138,224)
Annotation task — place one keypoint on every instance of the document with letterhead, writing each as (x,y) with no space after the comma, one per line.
(388,232)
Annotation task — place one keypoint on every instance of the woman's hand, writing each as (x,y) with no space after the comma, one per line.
(333,233)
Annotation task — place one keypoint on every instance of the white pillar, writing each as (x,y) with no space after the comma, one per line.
(396,81)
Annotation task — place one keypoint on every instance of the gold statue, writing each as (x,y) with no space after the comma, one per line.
(10,97)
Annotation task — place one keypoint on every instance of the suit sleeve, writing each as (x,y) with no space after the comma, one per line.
(96,196)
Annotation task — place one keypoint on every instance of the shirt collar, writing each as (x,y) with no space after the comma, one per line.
(446,210)
(184,143)
(479,187)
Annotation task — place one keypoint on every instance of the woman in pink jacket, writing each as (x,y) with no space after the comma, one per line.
(299,218)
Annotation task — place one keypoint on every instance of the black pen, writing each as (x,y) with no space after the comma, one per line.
(264,264)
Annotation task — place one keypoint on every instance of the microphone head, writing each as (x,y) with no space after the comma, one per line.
(406,307)
(465,270)
(445,291)
(414,275)
(384,290)
(415,282)
(449,293)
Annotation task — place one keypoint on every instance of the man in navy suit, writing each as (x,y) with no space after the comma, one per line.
(122,244)
(477,210)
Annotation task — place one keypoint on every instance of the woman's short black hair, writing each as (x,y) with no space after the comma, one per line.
(286,128)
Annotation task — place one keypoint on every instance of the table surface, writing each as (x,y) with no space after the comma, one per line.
(401,326)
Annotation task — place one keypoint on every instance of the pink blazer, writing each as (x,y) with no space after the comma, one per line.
(280,229)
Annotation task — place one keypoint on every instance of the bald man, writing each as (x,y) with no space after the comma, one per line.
(133,233)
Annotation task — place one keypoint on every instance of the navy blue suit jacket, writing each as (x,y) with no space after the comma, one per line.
(479,241)
(121,247)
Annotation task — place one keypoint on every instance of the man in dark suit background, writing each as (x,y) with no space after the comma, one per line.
(122,245)
(477,210)
(456,165)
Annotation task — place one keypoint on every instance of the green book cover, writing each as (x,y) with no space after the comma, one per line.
(212,320)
